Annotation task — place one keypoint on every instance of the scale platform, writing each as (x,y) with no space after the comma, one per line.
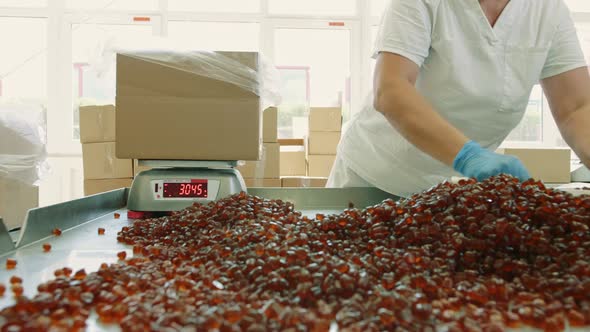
(173,185)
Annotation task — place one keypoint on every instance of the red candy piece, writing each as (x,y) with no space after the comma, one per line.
(10,264)
(80,274)
(17,290)
(16,280)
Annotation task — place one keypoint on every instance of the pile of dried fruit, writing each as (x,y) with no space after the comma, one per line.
(468,257)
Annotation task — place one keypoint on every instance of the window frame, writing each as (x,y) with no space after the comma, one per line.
(59,88)
(60,139)
(355,59)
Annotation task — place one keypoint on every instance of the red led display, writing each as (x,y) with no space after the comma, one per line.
(197,189)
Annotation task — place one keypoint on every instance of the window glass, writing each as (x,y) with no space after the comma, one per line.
(313,7)
(236,6)
(23,3)
(113,4)
(217,36)
(378,6)
(578,5)
(23,65)
(530,128)
(320,78)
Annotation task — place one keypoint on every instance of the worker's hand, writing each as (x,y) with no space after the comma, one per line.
(476,162)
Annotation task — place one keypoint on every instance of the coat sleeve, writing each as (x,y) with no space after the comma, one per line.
(565,52)
(405,30)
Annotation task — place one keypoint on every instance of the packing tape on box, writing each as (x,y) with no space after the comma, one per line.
(264,82)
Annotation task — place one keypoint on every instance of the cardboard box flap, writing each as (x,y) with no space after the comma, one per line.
(196,74)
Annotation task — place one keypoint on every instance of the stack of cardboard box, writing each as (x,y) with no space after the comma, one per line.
(293,158)
(325,125)
(303,182)
(103,171)
(548,165)
(266,171)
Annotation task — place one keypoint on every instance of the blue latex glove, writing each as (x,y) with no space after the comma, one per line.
(476,162)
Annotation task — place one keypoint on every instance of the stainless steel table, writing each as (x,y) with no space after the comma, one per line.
(80,246)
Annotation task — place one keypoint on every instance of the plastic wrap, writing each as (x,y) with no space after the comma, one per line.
(23,153)
(264,80)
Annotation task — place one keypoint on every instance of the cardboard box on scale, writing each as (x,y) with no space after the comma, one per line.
(168,111)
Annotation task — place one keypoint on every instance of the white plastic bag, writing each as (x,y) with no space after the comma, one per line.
(23,140)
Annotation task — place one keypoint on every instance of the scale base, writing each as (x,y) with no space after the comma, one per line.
(146,194)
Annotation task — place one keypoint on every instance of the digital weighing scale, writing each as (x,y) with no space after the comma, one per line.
(173,185)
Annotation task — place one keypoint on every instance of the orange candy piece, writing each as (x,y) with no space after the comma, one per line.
(17,290)
(122,255)
(117,215)
(56,231)
(80,274)
(101,231)
(10,264)
(67,271)
(46,247)
(16,280)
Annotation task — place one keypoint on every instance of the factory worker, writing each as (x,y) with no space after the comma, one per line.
(452,80)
